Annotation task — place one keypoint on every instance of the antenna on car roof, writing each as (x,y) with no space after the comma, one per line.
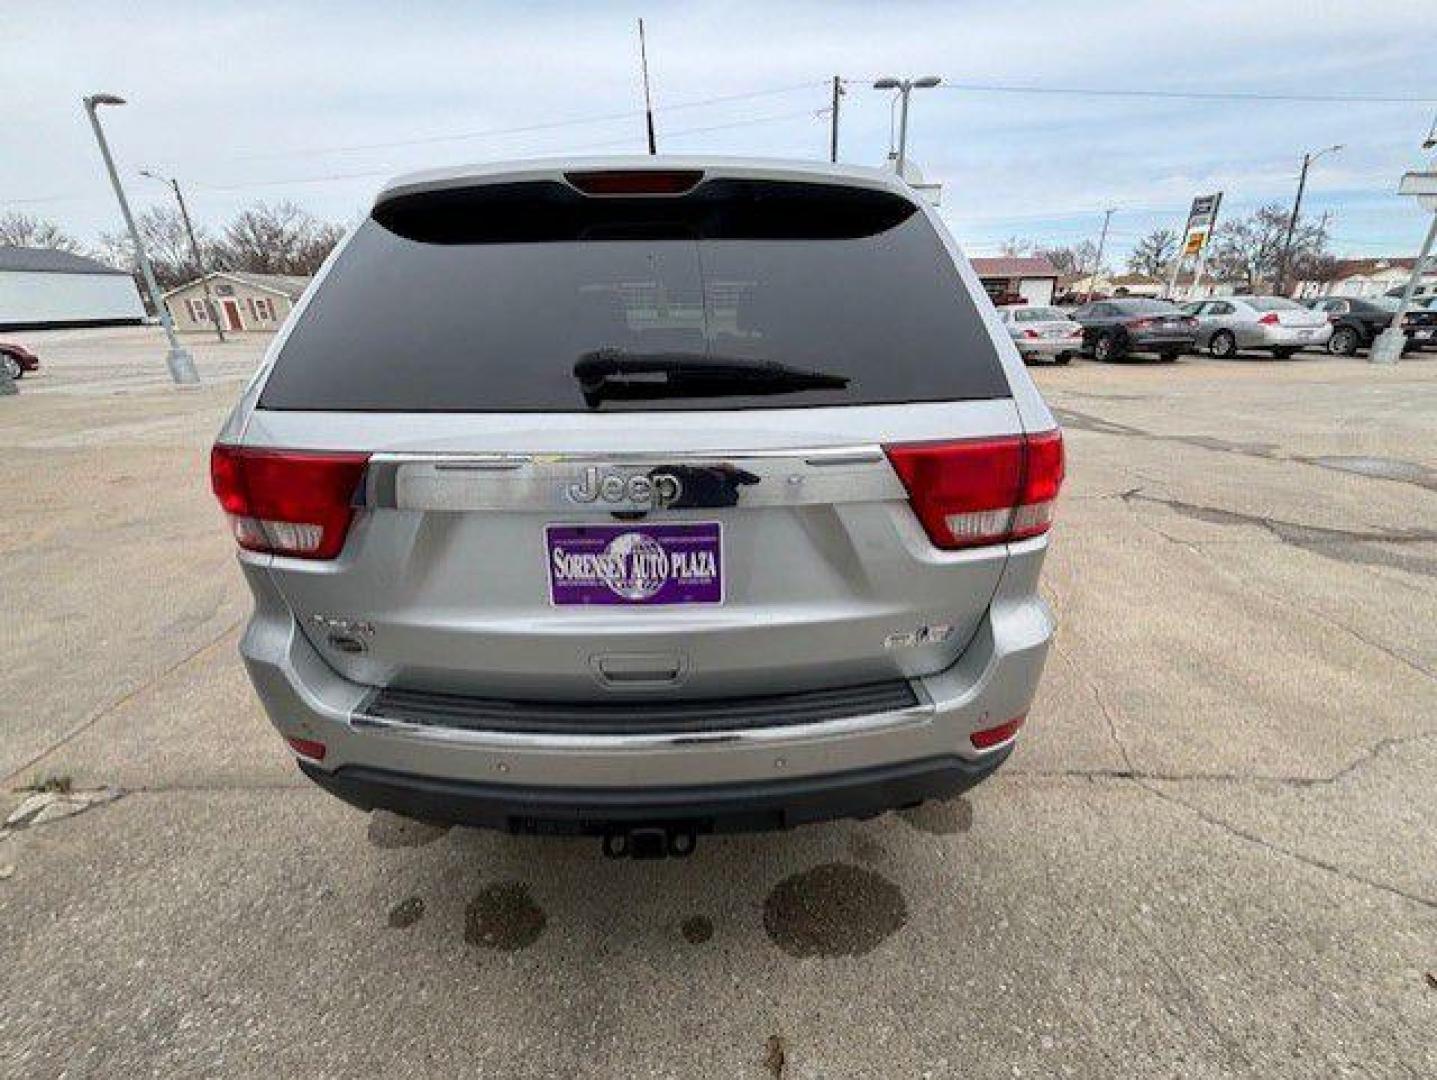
(648,103)
(1430,142)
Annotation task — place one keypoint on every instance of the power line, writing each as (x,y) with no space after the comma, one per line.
(549,125)
(1182,95)
(369,174)
(752,121)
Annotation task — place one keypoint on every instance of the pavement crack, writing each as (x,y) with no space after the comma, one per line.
(1378,748)
(1102,707)
(1148,782)
(1340,545)
(105,710)
(1308,860)
(1222,568)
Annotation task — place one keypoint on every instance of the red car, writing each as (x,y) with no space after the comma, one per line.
(18,359)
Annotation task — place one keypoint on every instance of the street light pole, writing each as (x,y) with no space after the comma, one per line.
(179,360)
(1282,266)
(1387,349)
(833,124)
(904,88)
(1098,262)
(210,304)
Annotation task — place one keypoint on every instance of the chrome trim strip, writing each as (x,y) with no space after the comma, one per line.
(602,744)
(814,454)
(539,482)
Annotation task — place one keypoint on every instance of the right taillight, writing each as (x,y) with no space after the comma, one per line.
(982,491)
(1270,319)
(287,502)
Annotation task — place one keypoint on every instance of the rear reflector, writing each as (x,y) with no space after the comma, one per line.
(287,502)
(635,181)
(990,737)
(982,491)
(306,748)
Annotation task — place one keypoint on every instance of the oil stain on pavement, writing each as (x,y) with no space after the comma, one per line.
(835,909)
(406,913)
(941,817)
(504,917)
(697,929)
(388,830)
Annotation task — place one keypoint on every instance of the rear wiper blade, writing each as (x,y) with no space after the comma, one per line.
(619,375)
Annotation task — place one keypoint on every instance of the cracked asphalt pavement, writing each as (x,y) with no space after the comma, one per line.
(1212,854)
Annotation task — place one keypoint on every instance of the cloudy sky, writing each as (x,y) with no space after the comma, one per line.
(317,102)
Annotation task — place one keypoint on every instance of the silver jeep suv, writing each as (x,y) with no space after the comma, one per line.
(644,498)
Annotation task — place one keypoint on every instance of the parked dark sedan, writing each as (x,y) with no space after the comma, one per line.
(1357,322)
(1115,328)
(18,359)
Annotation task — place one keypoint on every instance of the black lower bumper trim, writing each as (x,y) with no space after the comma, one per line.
(749,807)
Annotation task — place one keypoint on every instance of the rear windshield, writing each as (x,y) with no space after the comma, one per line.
(1145,307)
(1038,314)
(1272,303)
(485,299)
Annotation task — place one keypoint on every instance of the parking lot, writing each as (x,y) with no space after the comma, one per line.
(1212,853)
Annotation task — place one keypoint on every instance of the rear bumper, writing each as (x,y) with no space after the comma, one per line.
(1048,348)
(1160,342)
(1292,336)
(751,807)
(798,771)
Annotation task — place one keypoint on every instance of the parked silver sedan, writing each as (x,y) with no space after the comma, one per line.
(1274,323)
(1042,333)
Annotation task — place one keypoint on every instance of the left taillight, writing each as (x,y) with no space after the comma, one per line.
(287,502)
(1270,319)
(982,491)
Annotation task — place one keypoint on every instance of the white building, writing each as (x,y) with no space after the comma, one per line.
(1018,279)
(41,288)
(1367,278)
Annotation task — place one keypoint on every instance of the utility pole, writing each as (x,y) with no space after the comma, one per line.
(1307,160)
(1102,243)
(648,103)
(179,360)
(904,88)
(210,304)
(833,121)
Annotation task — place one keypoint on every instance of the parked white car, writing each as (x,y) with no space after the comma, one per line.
(1042,333)
(1274,323)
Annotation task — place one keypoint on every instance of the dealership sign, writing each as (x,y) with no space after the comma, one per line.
(1201,219)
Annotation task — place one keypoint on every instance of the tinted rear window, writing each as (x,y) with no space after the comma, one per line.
(484,299)
(1038,314)
(1271,303)
(1145,307)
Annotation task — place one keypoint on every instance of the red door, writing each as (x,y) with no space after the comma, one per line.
(232,315)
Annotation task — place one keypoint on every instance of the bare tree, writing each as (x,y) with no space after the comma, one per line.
(166,243)
(1073,259)
(1320,267)
(1153,255)
(1016,246)
(1249,249)
(278,239)
(26,230)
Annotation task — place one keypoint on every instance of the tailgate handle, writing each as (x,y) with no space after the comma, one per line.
(639,669)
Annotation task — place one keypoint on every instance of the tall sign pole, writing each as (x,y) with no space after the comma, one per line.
(1202,219)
